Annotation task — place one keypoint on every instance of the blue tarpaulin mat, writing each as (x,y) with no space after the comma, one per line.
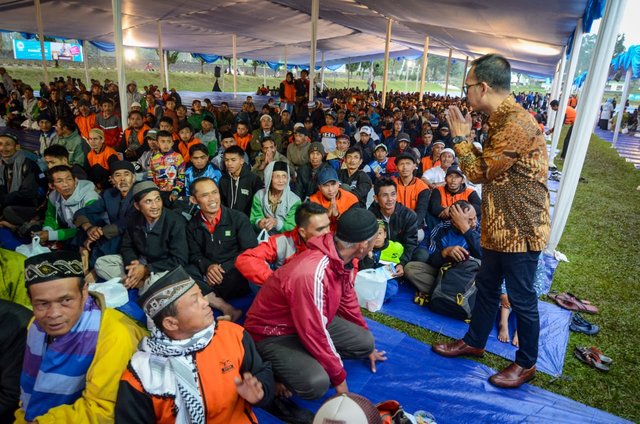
(554,329)
(453,390)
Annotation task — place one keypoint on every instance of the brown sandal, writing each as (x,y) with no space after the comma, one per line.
(590,358)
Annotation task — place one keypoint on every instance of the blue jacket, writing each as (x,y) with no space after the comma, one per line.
(446,235)
(110,211)
(191,174)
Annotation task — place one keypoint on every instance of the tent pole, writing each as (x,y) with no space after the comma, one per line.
(406,75)
(623,100)
(161,55)
(85,50)
(558,86)
(264,74)
(322,71)
(235,77)
(423,71)
(117,35)
(446,81)
(464,75)
(285,61)
(41,37)
(386,64)
(315,11)
(583,127)
(166,70)
(564,97)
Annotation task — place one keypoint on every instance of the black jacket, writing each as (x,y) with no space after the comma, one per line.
(13,338)
(403,228)
(238,194)
(306,183)
(27,194)
(164,247)
(232,235)
(359,184)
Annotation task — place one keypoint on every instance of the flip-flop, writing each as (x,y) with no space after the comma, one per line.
(583,304)
(590,358)
(572,303)
(604,359)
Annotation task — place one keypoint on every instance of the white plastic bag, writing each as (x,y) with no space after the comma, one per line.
(263,237)
(370,287)
(32,249)
(114,292)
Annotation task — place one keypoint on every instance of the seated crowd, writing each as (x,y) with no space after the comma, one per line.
(192,207)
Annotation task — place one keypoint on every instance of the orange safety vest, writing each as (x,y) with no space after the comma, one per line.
(85,124)
(243,142)
(344,201)
(217,365)
(101,159)
(447,199)
(570,116)
(184,148)
(428,163)
(408,194)
(140,134)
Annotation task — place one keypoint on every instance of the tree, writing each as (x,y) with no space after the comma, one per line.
(352,67)
(619,47)
(202,62)
(364,66)
(586,53)
(254,65)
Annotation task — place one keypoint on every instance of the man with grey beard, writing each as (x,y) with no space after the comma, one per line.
(104,221)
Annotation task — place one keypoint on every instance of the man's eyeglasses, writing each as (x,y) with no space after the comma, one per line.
(466,87)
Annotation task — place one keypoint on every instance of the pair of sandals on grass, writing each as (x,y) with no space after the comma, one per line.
(592,356)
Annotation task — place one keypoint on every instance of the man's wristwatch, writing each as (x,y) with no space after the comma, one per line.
(459,139)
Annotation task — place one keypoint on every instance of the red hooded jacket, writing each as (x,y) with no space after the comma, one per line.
(303,297)
(255,264)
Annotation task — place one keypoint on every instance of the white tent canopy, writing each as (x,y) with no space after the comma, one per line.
(530,34)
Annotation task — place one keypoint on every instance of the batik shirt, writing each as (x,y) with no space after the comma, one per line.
(513,170)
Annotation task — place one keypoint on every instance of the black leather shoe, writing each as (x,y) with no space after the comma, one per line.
(287,411)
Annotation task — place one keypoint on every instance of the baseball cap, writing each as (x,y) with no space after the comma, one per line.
(365,129)
(136,104)
(405,155)
(454,169)
(381,146)
(326,174)
(448,150)
(152,134)
(403,137)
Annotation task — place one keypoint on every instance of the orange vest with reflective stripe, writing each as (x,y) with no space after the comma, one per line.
(408,194)
(447,199)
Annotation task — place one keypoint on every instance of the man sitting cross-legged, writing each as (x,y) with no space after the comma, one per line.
(306,318)
(105,220)
(216,236)
(77,348)
(453,241)
(258,264)
(154,240)
(191,369)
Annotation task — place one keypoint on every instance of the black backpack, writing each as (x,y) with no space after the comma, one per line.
(455,289)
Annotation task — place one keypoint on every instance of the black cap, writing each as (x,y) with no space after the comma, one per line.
(52,266)
(454,169)
(303,131)
(357,225)
(120,165)
(406,155)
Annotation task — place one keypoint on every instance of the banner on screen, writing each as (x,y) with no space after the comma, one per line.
(30,50)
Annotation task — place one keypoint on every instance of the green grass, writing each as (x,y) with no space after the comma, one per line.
(602,241)
(192,81)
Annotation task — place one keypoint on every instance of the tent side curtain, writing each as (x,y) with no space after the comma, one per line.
(104,46)
(628,60)
(206,58)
